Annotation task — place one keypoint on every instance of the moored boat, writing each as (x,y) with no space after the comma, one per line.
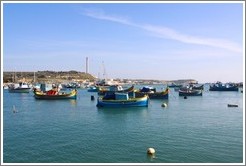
(22,87)
(197,87)
(93,89)
(72,85)
(55,95)
(122,100)
(115,88)
(190,92)
(148,89)
(173,85)
(232,105)
(223,87)
(153,94)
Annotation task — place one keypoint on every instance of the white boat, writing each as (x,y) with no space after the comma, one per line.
(22,87)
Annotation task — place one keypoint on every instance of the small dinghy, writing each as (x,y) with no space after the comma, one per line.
(232,105)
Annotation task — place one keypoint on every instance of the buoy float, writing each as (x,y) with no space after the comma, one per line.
(185,97)
(14,110)
(92,98)
(151,151)
(164,104)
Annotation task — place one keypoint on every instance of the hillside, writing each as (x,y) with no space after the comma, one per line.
(47,76)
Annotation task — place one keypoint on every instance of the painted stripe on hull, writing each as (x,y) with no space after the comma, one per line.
(126,103)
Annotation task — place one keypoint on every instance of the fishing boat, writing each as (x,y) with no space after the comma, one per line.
(173,85)
(190,92)
(223,87)
(122,100)
(148,89)
(197,87)
(55,95)
(232,105)
(93,89)
(72,85)
(22,87)
(153,94)
(114,88)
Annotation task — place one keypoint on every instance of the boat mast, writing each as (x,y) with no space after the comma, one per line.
(104,72)
(14,77)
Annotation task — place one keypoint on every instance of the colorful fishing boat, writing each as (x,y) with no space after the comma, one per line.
(55,95)
(93,89)
(115,88)
(148,89)
(153,94)
(22,87)
(122,100)
(197,86)
(223,87)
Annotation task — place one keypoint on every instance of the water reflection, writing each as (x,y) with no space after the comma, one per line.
(151,157)
(73,102)
(121,109)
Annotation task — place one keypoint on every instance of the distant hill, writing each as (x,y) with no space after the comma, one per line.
(70,76)
(47,76)
(182,81)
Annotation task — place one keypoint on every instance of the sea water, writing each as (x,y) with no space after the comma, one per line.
(199,129)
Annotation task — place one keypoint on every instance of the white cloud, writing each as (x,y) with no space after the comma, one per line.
(168,33)
(99,14)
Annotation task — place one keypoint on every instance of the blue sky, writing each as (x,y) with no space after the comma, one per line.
(165,41)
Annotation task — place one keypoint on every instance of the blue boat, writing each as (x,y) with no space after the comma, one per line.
(148,89)
(223,87)
(122,100)
(93,89)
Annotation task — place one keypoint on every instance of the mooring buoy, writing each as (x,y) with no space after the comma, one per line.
(185,97)
(164,104)
(151,151)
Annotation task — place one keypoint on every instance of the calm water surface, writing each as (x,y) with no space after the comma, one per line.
(194,130)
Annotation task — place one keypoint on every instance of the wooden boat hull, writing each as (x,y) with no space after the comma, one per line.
(103,92)
(19,90)
(93,89)
(132,102)
(71,95)
(201,87)
(155,95)
(174,86)
(223,88)
(190,93)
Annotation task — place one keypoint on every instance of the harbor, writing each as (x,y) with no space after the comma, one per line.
(193,130)
(122,83)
